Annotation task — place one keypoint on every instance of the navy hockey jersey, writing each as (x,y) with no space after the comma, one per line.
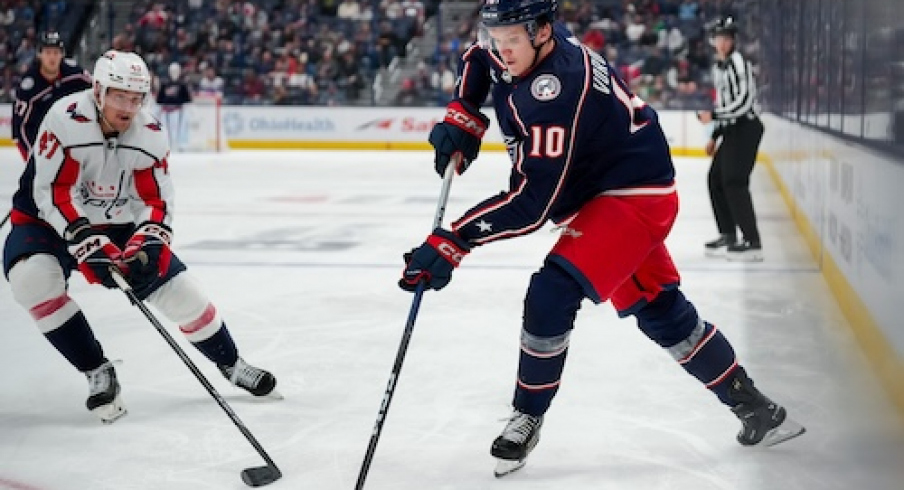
(573,131)
(172,95)
(34,96)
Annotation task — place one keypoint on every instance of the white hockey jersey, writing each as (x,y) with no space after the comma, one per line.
(78,172)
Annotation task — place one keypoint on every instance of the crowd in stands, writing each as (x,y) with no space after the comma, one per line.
(328,52)
(660,48)
(286,52)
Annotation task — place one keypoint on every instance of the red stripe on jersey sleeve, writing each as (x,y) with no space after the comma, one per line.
(149,192)
(61,187)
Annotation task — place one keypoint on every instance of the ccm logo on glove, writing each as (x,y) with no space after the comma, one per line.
(89,246)
(452,253)
(458,116)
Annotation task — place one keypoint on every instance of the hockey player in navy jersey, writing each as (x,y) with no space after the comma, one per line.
(96,195)
(172,100)
(591,157)
(50,78)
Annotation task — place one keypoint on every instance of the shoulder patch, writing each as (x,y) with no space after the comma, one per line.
(27,83)
(70,62)
(74,113)
(545,87)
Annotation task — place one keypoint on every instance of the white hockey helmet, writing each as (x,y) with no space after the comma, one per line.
(120,70)
(174,71)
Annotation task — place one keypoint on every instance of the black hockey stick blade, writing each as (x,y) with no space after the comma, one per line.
(260,476)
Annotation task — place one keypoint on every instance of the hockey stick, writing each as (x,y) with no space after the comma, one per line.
(406,337)
(254,477)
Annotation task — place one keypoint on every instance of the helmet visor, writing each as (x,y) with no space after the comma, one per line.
(122,100)
(498,38)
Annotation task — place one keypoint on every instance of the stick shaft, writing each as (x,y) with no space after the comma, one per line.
(127,289)
(406,339)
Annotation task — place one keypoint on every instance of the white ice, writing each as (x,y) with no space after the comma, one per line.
(301,252)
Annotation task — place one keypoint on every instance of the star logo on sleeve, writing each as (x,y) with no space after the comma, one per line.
(484,226)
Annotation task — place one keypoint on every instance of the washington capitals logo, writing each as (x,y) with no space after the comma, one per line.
(154,126)
(76,115)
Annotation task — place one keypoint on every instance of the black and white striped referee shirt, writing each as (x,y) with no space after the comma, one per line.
(735,90)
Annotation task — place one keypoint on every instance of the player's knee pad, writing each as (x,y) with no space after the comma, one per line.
(552,301)
(39,285)
(669,319)
(184,302)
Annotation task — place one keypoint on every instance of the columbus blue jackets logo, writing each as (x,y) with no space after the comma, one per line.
(545,87)
(73,112)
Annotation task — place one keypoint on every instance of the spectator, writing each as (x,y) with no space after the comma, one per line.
(125,40)
(387,43)
(443,81)
(349,9)
(349,77)
(331,96)
(635,29)
(408,94)
(253,87)
(210,84)
(654,64)
(156,18)
(328,7)
(594,39)
(26,53)
(688,10)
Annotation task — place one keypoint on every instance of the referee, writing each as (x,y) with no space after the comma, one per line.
(737,124)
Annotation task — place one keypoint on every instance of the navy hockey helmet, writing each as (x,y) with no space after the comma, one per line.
(51,39)
(531,13)
(512,12)
(725,26)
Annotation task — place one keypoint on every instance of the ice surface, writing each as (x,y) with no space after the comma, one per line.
(300,251)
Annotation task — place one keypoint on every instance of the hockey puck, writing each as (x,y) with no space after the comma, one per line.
(260,476)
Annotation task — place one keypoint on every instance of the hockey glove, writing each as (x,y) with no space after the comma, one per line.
(93,251)
(459,134)
(434,261)
(148,253)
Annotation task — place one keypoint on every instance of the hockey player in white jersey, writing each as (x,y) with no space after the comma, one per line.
(96,195)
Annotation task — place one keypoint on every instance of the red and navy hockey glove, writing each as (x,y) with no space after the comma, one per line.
(95,253)
(459,134)
(434,261)
(148,253)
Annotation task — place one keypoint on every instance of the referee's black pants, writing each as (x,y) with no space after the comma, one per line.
(729,179)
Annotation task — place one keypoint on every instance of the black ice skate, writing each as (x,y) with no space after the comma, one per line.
(765,423)
(252,379)
(103,393)
(745,251)
(717,247)
(518,439)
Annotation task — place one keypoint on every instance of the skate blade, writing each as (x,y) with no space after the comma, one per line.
(745,256)
(110,412)
(274,395)
(715,254)
(269,397)
(506,466)
(788,430)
